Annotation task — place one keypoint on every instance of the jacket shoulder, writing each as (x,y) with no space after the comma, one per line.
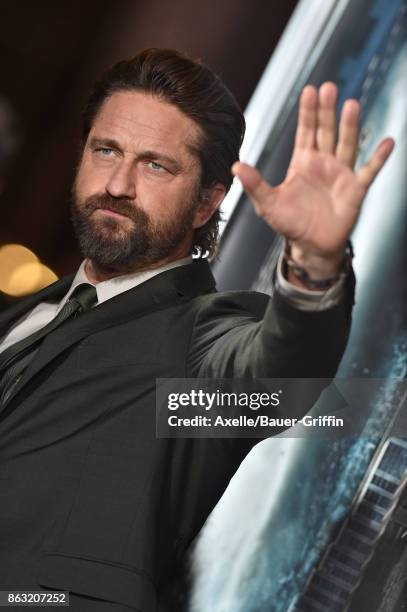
(229,303)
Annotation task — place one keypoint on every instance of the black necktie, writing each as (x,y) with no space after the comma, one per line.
(15,359)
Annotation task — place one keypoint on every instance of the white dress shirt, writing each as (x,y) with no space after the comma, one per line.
(44,312)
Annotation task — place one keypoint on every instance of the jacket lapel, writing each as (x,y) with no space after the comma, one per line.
(175,285)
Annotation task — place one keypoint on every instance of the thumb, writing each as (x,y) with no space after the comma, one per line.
(253,183)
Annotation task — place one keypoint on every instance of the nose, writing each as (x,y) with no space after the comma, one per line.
(121,183)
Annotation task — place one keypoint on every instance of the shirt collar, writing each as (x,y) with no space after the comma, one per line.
(112,287)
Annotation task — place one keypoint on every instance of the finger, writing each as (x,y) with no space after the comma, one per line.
(369,171)
(260,192)
(347,149)
(307,118)
(326,130)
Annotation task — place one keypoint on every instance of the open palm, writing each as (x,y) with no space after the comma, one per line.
(317,205)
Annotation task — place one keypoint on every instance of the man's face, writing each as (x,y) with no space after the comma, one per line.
(136,194)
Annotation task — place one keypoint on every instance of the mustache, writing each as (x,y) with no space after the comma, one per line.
(118,205)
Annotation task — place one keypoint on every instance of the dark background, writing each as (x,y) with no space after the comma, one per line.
(50,53)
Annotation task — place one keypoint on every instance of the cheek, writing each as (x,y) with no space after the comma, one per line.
(159,199)
(166,195)
(88,182)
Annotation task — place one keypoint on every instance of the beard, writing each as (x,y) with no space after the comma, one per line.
(116,245)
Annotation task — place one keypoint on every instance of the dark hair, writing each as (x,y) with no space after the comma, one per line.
(200,94)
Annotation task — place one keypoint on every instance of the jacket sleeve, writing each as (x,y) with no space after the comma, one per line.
(248,334)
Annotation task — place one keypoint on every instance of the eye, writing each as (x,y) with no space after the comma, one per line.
(156,167)
(104,151)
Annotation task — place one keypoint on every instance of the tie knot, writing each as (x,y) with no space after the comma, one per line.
(85,294)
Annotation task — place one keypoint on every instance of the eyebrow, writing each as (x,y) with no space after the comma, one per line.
(148,154)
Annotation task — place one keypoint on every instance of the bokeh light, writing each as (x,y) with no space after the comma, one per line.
(21,272)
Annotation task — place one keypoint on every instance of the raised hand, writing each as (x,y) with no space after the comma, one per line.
(318,203)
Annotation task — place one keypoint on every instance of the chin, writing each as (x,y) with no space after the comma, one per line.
(109,229)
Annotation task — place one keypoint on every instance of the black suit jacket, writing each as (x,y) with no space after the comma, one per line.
(91,501)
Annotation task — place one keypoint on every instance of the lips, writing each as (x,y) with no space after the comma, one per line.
(112,213)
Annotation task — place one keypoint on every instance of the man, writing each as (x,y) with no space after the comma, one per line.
(92,502)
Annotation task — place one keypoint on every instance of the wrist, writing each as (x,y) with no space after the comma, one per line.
(315,271)
(317,265)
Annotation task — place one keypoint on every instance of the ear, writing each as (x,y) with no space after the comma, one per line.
(211,200)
